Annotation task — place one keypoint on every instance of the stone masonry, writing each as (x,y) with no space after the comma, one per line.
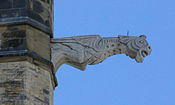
(27,74)
(20,84)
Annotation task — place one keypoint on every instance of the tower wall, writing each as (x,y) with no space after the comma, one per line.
(23,83)
(27,74)
(37,13)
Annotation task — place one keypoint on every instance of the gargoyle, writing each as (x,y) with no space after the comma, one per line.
(90,50)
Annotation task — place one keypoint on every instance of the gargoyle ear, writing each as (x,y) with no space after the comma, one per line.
(143,36)
(120,36)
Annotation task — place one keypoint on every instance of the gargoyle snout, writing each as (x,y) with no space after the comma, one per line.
(148,50)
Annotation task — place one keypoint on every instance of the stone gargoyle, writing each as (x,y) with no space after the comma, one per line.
(80,51)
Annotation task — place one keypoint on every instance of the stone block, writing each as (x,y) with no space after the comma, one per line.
(24,37)
(38,13)
(23,83)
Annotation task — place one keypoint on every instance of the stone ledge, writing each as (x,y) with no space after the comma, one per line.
(25,55)
(28,21)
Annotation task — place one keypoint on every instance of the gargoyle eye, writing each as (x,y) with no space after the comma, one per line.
(141,41)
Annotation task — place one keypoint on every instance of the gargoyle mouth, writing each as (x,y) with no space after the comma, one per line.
(142,54)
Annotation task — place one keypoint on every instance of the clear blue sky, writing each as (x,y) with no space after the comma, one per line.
(119,80)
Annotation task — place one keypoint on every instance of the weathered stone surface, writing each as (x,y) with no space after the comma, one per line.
(23,83)
(90,50)
(38,42)
(26,72)
(12,38)
(24,37)
(38,13)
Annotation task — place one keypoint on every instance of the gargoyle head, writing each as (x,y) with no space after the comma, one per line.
(136,47)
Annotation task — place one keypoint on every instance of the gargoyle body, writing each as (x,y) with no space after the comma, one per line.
(90,50)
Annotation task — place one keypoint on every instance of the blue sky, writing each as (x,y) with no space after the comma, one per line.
(119,80)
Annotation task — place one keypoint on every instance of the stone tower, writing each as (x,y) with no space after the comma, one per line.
(26,72)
